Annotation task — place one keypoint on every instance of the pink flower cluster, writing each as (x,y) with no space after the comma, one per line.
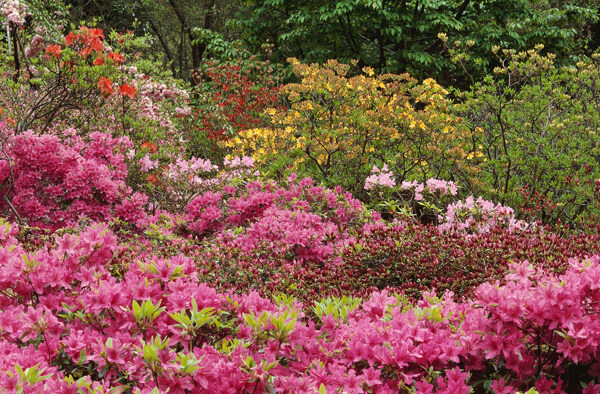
(296,218)
(379,177)
(59,181)
(15,11)
(479,216)
(432,186)
(147,164)
(245,161)
(157,91)
(37,45)
(186,179)
(78,306)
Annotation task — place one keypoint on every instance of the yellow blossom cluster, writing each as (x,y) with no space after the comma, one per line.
(339,124)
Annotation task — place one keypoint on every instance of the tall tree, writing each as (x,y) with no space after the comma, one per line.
(175,25)
(402,35)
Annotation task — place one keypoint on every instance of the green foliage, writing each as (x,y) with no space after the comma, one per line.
(401,36)
(338,308)
(276,326)
(49,16)
(539,137)
(217,46)
(147,312)
(338,126)
(31,375)
(191,324)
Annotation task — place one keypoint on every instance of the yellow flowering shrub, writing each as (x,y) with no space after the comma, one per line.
(337,126)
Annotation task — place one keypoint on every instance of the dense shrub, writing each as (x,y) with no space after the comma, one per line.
(222,279)
(413,258)
(538,146)
(231,97)
(338,126)
(81,82)
(76,313)
(276,238)
(51,182)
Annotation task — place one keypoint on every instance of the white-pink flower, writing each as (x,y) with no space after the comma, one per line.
(147,163)
(379,177)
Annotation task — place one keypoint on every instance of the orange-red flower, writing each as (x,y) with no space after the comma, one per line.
(149,145)
(89,39)
(69,39)
(116,57)
(152,179)
(105,86)
(96,44)
(127,90)
(96,32)
(85,52)
(99,61)
(53,50)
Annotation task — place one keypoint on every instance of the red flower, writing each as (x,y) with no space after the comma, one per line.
(127,90)
(69,39)
(105,86)
(149,145)
(53,50)
(96,33)
(117,57)
(99,61)
(152,179)
(85,52)
(96,44)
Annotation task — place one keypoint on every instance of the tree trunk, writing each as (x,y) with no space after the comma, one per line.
(198,49)
(161,38)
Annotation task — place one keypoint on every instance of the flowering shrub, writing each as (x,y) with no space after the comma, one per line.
(410,198)
(75,315)
(15,11)
(480,216)
(82,82)
(63,77)
(232,282)
(231,97)
(54,183)
(411,258)
(275,238)
(338,125)
(379,177)
(530,161)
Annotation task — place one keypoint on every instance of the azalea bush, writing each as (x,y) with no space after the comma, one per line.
(410,199)
(338,125)
(53,182)
(62,78)
(371,236)
(90,81)
(538,141)
(276,238)
(412,258)
(231,96)
(80,119)
(76,314)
